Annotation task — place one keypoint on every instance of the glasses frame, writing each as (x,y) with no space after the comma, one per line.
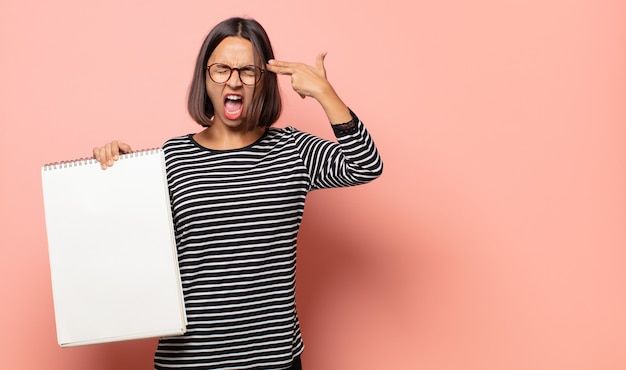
(238,69)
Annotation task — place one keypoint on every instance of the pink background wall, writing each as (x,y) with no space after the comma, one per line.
(496,238)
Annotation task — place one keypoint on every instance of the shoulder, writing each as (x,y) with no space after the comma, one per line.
(279,134)
(181,141)
(286,133)
(281,131)
(179,145)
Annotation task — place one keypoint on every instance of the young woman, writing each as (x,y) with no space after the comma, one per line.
(237,189)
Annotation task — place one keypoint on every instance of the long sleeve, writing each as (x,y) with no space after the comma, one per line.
(353,160)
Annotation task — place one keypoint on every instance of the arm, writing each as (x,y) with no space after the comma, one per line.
(353,160)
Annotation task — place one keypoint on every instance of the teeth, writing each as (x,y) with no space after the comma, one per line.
(233,97)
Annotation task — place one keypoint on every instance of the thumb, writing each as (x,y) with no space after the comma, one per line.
(320,62)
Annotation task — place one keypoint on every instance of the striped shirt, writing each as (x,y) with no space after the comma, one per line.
(236,217)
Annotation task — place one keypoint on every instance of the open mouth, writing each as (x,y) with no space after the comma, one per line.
(233,106)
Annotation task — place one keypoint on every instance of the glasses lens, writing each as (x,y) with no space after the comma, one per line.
(250,75)
(219,73)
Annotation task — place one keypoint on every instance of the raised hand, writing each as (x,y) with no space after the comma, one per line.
(306,80)
(311,81)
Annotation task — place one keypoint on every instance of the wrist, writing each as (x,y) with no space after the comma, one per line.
(335,109)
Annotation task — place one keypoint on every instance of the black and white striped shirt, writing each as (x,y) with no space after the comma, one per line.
(236,218)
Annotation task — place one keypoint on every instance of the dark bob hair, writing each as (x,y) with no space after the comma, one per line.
(265,107)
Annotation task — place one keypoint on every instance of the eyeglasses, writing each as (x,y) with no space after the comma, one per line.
(248,75)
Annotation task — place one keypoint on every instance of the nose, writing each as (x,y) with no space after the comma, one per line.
(234,80)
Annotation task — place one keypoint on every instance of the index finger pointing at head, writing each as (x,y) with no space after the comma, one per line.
(279,63)
(280,67)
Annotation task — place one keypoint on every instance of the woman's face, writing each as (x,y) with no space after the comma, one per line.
(230,99)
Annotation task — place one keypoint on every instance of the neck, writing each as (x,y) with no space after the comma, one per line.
(221,137)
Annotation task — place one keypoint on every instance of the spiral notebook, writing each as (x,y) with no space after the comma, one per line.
(113,260)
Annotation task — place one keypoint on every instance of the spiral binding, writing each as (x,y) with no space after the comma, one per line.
(88,161)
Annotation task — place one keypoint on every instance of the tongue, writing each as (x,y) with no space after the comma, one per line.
(232,109)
